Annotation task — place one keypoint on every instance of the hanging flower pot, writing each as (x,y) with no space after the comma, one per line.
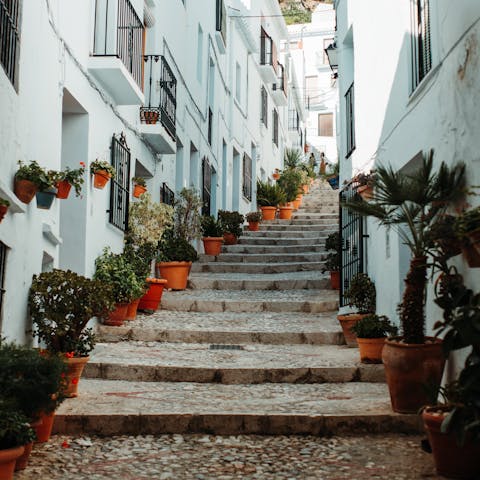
(138,190)
(175,273)
(253,226)
(116,317)
(63,189)
(285,212)
(212,245)
(45,199)
(3,210)
(268,213)
(151,300)
(132,310)
(25,190)
(100,179)
(275,175)
(8,458)
(230,238)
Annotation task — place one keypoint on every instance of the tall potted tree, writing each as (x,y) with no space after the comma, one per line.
(411,203)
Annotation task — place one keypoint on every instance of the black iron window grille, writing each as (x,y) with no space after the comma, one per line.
(10,38)
(206,186)
(293,120)
(221,20)
(167,195)
(210,125)
(275,128)
(264,106)
(268,50)
(352,242)
(247,177)
(161,94)
(350,113)
(3,263)
(282,79)
(120,33)
(119,191)
(421,41)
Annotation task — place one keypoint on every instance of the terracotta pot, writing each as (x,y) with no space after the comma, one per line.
(254,226)
(43,428)
(132,310)
(212,245)
(138,190)
(365,191)
(3,211)
(451,460)
(371,349)
(230,238)
(25,190)
(117,316)
(275,176)
(409,368)
(175,273)
(151,117)
(335,279)
(75,368)
(63,189)
(151,299)
(285,213)
(100,179)
(8,458)
(305,188)
(472,255)
(474,238)
(297,203)
(268,213)
(22,461)
(347,322)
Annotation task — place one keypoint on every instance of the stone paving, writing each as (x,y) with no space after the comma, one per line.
(208,457)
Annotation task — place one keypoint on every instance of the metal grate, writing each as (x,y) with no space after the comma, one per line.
(166,195)
(421,40)
(275,128)
(216,346)
(350,112)
(221,20)
(3,262)
(207,186)
(351,238)
(10,37)
(119,192)
(264,106)
(247,177)
(210,125)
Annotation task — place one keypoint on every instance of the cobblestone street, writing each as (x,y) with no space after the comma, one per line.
(202,457)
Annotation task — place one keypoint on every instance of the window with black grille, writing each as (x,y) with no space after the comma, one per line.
(120,191)
(206,186)
(421,41)
(247,177)
(221,20)
(167,195)
(350,113)
(275,128)
(210,125)
(293,119)
(10,38)
(3,261)
(264,107)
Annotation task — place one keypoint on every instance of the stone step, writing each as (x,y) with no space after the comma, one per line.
(313,216)
(271,249)
(333,219)
(306,242)
(262,258)
(266,227)
(228,327)
(258,268)
(253,363)
(138,408)
(288,234)
(308,301)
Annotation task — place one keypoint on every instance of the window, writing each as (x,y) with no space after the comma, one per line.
(119,191)
(325,125)
(207,186)
(221,20)
(10,38)
(166,195)
(421,41)
(326,43)
(275,128)
(3,261)
(210,125)
(199,54)
(350,113)
(238,83)
(264,107)
(293,119)
(247,177)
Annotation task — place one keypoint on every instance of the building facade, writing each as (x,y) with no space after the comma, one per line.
(180,92)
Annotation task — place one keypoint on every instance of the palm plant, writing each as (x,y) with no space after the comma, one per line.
(292,158)
(269,195)
(411,203)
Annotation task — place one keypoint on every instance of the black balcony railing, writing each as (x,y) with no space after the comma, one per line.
(282,79)
(120,33)
(160,93)
(268,50)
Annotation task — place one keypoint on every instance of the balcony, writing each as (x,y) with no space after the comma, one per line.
(117,52)
(159,112)
(268,58)
(279,93)
(221,26)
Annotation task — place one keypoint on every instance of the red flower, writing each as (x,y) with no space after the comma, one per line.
(82,164)
(74,381)
(65,444)
(69,354)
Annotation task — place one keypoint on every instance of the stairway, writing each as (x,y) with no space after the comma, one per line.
(253,346)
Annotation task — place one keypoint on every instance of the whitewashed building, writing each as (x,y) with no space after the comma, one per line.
(409,82)
(78,81)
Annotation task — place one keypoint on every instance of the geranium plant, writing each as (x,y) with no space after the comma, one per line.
(33,172)
(4,202)
(74,177)
(139,181)
(99,165)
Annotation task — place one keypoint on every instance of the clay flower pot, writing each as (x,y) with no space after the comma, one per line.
(230,238)
(43,428)
(268,213)
(138,190)
(335,279)
(253,226)
(365,191)
(25,190)
(3,211)
(75,368)
(370,349)
(175,273)
(306,188)
(45,199)
(212,245)
(8,458)
(22,461)
(117,316)
(347,322)
(100,179)
(150,116)
(275,175)
(63,189)
(132,310)
(151,300)
(285,213)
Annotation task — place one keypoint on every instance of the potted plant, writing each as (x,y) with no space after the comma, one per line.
(116,271)
(268,198)
(147,223)
(140,186)
(102,172)
(276,174)
(361,295)
(4,204)
(149,115)
(410,203)
(253,219)
(176,253)
(443,233)
(467,228)
(212,235)
(371,332)
(365,185)
(333,176)
(289,182)
(66,179)
(332,261)
(61,304)
(231,223)
(27,180)
(46,190)
(292,158)
(15,432)
(453,423)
